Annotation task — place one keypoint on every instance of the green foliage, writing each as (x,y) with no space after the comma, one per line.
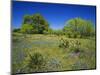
(49,31)
(64,43)
(36,62)
(27,19)
(75,28)
(72,45)
(16,30)
(57,32)
(27,28)
(36,59)
(34,24)
(75,46)
(78,27)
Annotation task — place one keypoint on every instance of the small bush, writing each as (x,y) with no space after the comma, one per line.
(75,49)
(75,46)
(36,62)
(36,59)
(64,43)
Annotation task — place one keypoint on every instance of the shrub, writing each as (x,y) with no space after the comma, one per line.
(16,30)
(75,49)
(36,59)
(36,62)
(64,43)
(75,46)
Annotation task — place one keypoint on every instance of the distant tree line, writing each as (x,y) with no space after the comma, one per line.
(37,24)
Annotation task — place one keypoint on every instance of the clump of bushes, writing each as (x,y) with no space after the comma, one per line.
(72,35)
(73,45)
(64,43)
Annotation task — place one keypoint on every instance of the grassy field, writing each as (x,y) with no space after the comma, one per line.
(55,58)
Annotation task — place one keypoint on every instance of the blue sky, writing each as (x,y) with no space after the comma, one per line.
(55,14)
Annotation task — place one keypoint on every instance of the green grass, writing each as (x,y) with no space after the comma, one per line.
(56,58)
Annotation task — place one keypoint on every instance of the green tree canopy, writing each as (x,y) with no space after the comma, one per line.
(37,22)
(78,26)
(26,28)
